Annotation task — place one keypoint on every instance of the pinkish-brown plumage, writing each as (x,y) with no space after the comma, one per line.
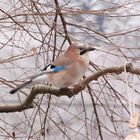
(65,71)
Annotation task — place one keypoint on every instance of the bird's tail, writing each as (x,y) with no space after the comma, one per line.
(20,87)
(38,78)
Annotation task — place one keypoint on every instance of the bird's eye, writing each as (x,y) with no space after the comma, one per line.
(81,49)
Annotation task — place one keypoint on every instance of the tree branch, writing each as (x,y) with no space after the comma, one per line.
(42,89)
(58,10)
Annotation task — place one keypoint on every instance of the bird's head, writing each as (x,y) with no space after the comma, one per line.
(82,48)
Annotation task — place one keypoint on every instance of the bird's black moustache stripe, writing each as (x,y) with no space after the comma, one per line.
(86,50)
(82,52)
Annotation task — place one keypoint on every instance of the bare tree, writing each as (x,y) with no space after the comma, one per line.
(36,32)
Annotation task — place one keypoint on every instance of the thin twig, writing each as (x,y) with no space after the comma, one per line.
(58,10)
(96,113)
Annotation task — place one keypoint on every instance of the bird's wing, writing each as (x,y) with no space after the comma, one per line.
(59,64)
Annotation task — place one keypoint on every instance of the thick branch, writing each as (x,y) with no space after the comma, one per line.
(42,89)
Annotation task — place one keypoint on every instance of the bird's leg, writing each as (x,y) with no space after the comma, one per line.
(64,89)
(67,91)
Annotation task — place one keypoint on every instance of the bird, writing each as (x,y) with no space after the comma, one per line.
(65,71)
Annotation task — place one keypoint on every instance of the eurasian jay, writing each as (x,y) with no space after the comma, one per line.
(65,71)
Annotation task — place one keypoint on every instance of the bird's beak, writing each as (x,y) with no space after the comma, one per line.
(90,49)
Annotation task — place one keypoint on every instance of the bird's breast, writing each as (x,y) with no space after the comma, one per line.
(71,75)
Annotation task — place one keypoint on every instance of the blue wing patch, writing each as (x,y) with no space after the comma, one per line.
(54,68)
(58,68)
